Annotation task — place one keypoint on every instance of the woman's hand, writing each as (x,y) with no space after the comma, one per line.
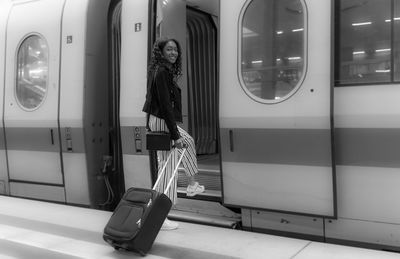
(179,143)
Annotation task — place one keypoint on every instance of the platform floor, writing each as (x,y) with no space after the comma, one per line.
(32,229)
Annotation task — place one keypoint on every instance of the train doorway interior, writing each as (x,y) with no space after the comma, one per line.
(202,100)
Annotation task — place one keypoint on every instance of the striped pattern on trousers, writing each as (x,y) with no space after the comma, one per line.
(189,161)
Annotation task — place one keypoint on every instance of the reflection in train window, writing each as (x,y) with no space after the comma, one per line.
(396,40)
(272,48)
(367,35)
(32,72)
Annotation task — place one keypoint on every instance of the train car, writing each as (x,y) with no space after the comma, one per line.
(292,105)
(54,102)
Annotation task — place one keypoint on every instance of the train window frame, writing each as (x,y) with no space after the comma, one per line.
(304,70)
(338,49)
(17,74)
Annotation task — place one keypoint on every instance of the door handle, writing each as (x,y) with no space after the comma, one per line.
(52,136)
(231,147)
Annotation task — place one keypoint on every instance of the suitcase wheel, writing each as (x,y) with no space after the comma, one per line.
(120,249)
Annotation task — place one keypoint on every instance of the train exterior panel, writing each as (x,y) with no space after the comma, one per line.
(71,116)
(134,46)
(366,112)
(297,113)
(279,145)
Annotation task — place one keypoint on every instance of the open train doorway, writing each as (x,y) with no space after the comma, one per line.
(195,25)
(202,100)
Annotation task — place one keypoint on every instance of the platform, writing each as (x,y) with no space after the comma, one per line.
(33,229)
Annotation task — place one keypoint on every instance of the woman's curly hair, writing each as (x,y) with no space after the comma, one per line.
(157,57)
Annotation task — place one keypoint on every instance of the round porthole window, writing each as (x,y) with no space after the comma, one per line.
(32,72)
(272,45)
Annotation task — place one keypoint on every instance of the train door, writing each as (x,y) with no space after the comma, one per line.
(4,9)
(275,107)
(32,99)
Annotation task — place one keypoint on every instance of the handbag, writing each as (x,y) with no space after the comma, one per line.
(158,140)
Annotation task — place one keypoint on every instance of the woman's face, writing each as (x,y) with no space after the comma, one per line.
(170,52)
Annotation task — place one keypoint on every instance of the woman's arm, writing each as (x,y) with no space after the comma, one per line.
(163,95)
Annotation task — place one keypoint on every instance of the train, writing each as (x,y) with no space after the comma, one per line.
(293,105)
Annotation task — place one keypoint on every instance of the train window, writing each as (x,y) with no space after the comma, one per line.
(367,41)
(396,40)
(32,72)
(272,60)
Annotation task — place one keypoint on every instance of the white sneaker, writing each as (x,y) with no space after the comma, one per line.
(194,189)
(169,225)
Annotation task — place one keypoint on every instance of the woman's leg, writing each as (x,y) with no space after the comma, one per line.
(189,162)
(157,124)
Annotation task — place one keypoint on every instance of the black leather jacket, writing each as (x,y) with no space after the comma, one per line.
(163,99)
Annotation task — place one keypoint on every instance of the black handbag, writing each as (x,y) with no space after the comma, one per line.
(158,140)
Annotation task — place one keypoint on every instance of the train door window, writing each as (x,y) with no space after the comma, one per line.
(32,72)
(364,44)
(272,44)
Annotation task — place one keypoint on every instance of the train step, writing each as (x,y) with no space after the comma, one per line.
(204,212)
(207,195)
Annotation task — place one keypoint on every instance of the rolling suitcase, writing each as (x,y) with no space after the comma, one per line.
(138,217)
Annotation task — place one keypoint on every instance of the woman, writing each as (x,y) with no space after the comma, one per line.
(164,106)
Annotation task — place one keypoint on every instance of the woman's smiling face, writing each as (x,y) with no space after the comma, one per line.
(170,52)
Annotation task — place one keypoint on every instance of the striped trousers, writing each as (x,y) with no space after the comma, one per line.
(189,161)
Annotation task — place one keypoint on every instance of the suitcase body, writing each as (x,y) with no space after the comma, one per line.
(137,219)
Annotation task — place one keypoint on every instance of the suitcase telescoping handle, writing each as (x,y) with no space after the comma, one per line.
(160,174)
